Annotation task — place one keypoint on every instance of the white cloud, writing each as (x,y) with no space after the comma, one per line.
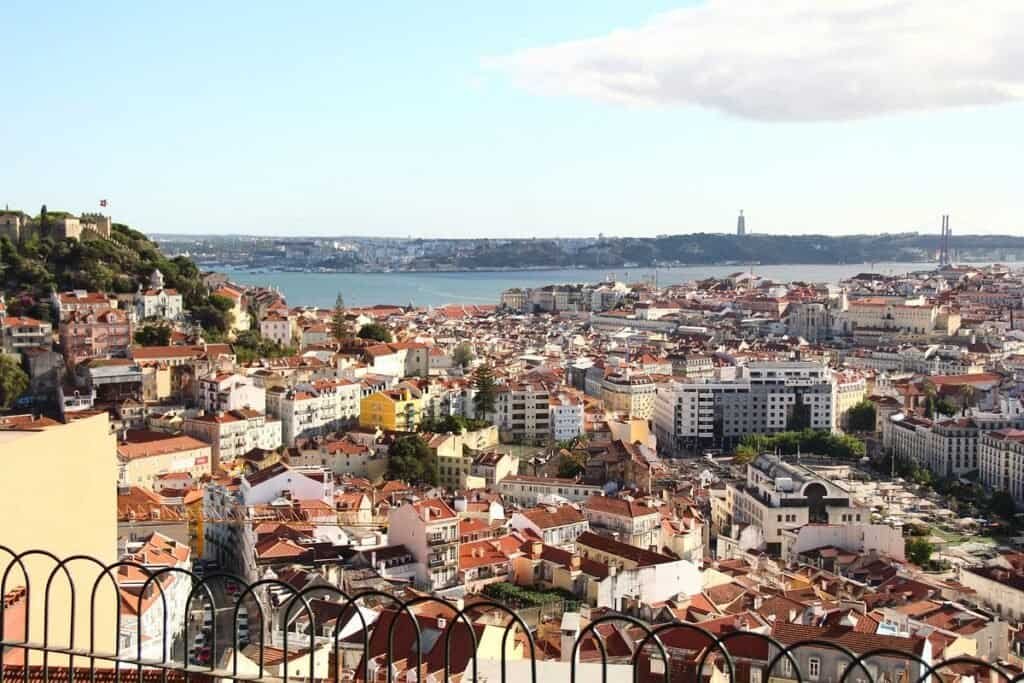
(795,60)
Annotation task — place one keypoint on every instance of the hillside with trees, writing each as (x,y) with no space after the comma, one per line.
(30,270)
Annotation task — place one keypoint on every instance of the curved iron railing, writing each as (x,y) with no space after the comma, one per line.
(371,655)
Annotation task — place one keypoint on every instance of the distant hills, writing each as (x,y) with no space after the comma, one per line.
(708,248)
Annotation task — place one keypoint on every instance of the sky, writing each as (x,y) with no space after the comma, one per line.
(532,118)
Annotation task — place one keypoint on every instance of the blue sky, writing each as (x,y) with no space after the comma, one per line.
(466,119)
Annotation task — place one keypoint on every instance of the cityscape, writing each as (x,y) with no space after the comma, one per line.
(672,340)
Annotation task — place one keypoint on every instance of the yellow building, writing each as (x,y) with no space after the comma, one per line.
(394,410)
(59,496)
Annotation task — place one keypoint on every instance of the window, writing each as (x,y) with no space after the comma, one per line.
(787,667)
(813,668)
(755,675)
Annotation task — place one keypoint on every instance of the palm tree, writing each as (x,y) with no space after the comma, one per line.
(930,391)
(968,397)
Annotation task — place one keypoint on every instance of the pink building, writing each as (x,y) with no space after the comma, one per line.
(95,335)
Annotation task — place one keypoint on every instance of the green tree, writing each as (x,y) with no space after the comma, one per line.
(340,327)
(800,418)
(919,550)
(968,397)
(410,460)
(571,465)
(153,335)
(1003,505)
(463,355)
(375,331)
(944,406)
(861,417)
(250,345)
(486,390)
(13,381)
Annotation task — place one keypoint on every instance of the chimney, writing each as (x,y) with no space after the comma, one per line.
(536,549)
(574,563)
(570,631)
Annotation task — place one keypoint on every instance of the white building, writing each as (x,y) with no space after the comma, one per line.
(765,397)
(778,496)
(528,491)
(626,521)
(234,433)
(142,613)
(523,411)
(566,416)
(430,530)
(277,328)
(230,391)
(159,303)
(314,409)
(289,483)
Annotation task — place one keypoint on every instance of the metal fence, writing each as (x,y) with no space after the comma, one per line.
(39,586)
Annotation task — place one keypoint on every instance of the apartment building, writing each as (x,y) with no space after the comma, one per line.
(566,415)
(1001,461)
(316,409)
(522,410)
(556,525)
(430,530)
(80,301)
(145,628)
(630,394)
(850,388)
(527,491)
(234,433)
(88,334)
(146,456)
(626,521)
(344,457)
(20,333)
(278,328)
(948,447)
(230,391)
(392,409)
(692,365)
(766,397)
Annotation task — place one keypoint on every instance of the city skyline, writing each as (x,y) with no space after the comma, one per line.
(442,122)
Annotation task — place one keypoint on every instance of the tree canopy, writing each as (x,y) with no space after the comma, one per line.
(153,334)
(486,390)
(375,331)
(339,326)
(919,550)
(807,441)
(249,346)
(13,381)
(410,460)
(463,355)
(861,417)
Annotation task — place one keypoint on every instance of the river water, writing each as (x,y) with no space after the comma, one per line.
(484,287)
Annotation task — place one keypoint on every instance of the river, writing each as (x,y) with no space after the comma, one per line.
(484,287)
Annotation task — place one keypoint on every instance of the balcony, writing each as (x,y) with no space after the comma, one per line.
(440,540)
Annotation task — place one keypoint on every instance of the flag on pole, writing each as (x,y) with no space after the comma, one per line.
(103,202)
